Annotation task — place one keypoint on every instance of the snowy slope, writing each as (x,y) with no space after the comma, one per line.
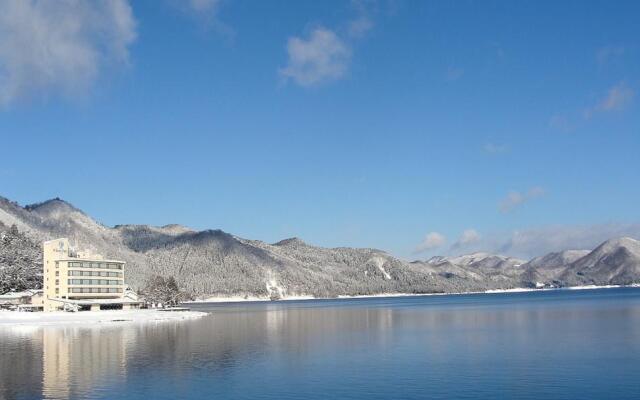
(213,262)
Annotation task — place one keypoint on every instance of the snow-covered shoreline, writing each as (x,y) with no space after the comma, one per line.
(240,299)
(14,318)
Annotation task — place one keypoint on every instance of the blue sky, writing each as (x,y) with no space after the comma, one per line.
(415,127)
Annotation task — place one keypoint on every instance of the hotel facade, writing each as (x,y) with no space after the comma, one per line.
(81,281)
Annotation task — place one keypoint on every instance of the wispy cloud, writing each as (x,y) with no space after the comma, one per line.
(468,237)
(324,55)
(538,241)
(319,58)
(432,240)
(363,21)
(533,242)
(52,47)
(617,98)
(493,148)
(515,199)
(206,15)
(360,26)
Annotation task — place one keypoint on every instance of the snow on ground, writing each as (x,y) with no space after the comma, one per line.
(379,263)
(366,296)
(586,287)
(238,299)
(14,318)
(514,290)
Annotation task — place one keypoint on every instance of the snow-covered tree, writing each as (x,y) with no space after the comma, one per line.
(161,290)
(20,261)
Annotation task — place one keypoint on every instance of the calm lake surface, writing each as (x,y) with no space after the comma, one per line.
(536,345)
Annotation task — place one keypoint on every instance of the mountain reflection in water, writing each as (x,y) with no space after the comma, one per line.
(531,345)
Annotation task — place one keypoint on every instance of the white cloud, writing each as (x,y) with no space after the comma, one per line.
(515,199)
(431,241)
(539,241)
(360,26)
(60,46)
(617,98)
(363,22)
(320,58)
(325,55)
(533,242)
(468,237)
(205,13)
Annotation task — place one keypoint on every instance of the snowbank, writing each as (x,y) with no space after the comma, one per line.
(239,299)
(14,318)
(367,296)
(515,290)
(230,299)
(587,287)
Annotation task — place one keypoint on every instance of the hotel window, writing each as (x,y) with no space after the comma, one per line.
(57,282)
(57,273)
(57,290)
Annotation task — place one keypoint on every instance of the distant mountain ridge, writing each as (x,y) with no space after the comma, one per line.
(216,263)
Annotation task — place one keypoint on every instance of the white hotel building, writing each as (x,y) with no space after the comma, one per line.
(82,281)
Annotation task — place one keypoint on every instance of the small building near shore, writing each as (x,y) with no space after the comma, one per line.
(82,281)
(26,300)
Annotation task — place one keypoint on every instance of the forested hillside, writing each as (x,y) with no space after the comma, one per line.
(216,263)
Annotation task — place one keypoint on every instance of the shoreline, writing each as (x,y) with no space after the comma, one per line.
(109,318)
(248,299)
(58,318)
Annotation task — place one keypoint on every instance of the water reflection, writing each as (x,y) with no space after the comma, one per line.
(76,360)
(58,363)
(375,348)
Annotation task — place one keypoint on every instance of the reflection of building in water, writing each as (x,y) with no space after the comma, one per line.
(76,360)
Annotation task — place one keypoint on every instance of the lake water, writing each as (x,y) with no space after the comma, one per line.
(537,345)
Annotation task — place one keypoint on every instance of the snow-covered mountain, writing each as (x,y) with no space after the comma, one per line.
(214,262)
(616,261)
(557,259)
